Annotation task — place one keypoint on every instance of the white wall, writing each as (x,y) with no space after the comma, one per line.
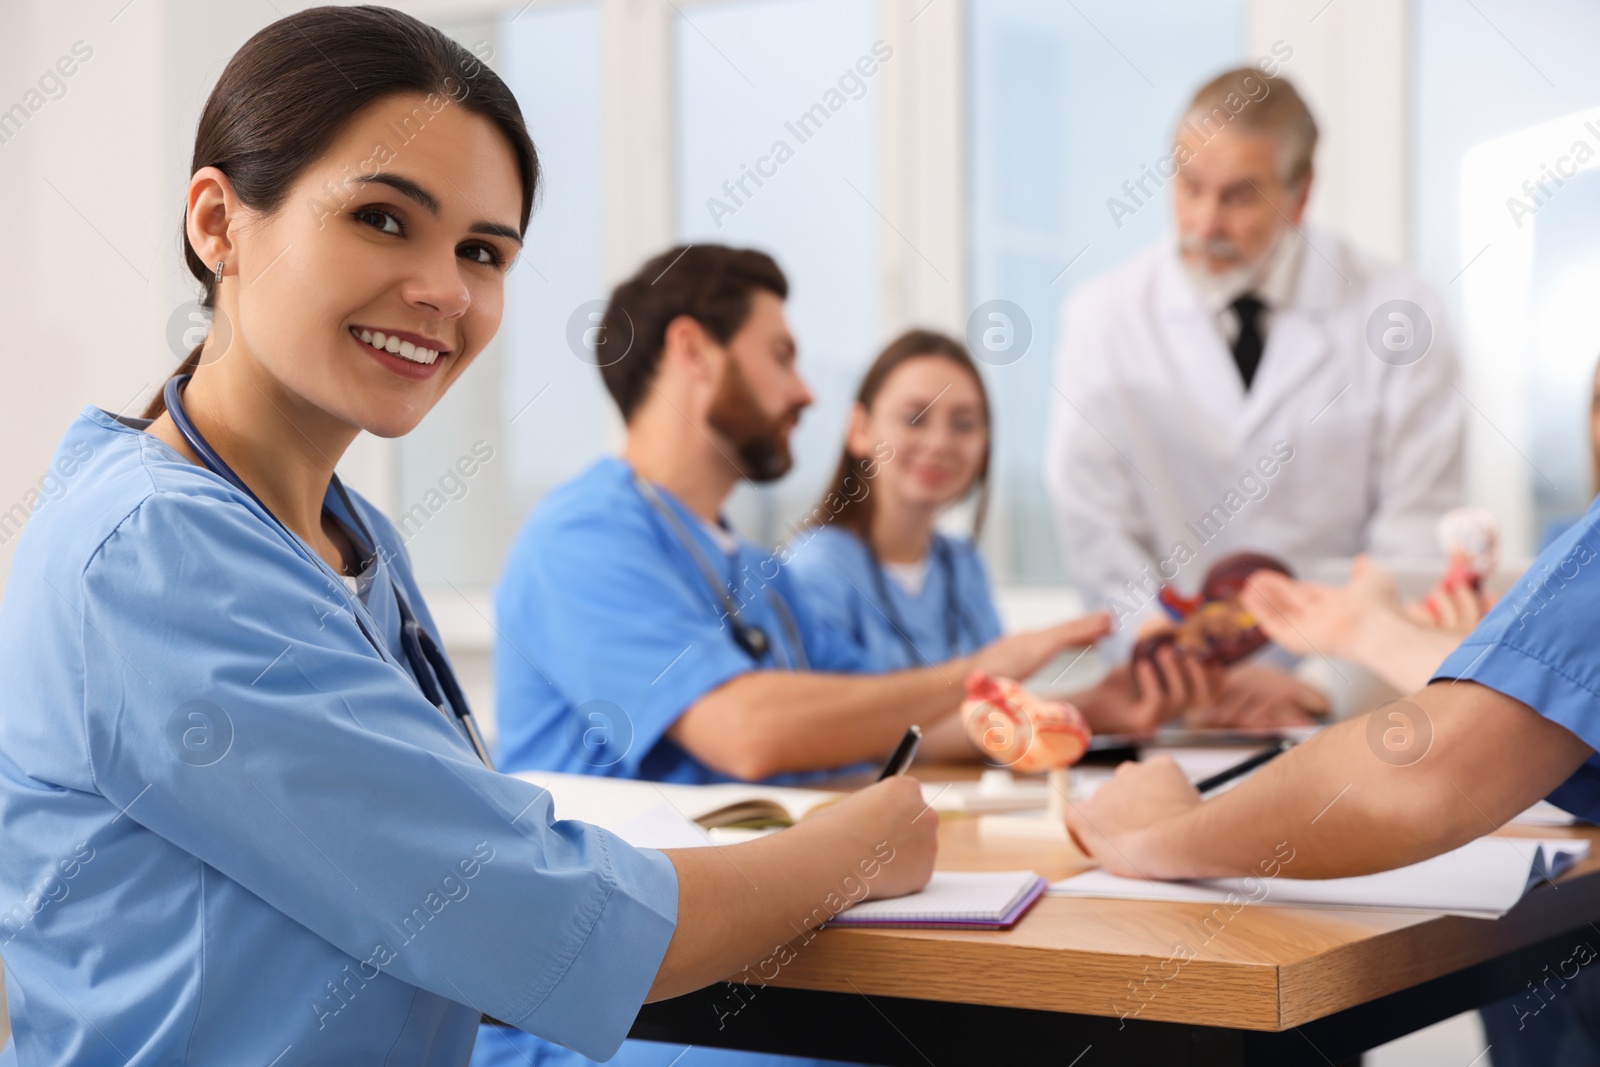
(1352,63)
(91,200)
(83,289)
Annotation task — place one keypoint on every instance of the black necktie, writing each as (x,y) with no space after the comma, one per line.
(1247,346)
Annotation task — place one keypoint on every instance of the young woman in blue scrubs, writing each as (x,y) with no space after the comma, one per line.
(246,822)
(873,565)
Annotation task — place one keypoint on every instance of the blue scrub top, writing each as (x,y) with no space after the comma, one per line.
(236,832)
(1541,645)
(607,632)
(834,571)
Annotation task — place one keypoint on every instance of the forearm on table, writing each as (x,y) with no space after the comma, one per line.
(946,742)
(767,722)
(1399,651)
(739,904)
(1352,801)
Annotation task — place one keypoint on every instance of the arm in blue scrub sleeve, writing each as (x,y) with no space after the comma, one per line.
(1541,645)
(343,797)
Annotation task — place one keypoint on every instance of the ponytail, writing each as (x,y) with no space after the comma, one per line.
(158,403)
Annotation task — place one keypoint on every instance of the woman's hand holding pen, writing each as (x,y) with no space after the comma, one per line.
(892,829)
(1021,655)
(736,898)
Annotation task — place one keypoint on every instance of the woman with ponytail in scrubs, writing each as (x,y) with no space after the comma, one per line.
(876,568)
(247,816)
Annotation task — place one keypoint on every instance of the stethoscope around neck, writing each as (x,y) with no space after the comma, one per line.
(752,639)
(433,672)
(956,622)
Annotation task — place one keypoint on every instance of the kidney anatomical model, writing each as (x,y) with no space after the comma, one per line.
(1213,626)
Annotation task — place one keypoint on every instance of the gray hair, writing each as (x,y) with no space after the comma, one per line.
(1256,103)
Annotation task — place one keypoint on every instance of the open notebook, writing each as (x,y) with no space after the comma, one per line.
(610,802)
(1482,880)
(981,900)
(654,815)
(978,900)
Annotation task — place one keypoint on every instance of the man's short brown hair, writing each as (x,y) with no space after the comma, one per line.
(712,284)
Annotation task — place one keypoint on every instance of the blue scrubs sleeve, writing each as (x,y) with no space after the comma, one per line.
(258,730)
(596,603)
(829,647)
(817,563)
(1541,646)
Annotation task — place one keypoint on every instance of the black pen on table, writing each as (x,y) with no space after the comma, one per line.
(904,753)
(1243,767)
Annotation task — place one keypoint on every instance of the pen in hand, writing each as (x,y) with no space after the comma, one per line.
(904,753)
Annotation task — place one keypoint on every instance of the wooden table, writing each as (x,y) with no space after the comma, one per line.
(1273,985)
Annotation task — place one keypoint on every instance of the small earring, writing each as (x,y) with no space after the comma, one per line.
(219,270)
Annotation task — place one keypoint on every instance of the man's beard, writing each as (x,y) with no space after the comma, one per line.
(1238,277)
(762,442)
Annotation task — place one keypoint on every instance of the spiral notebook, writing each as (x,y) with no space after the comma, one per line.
(978,900)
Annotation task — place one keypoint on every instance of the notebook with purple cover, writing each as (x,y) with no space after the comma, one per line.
(978,900)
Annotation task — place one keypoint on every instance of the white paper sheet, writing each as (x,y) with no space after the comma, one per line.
(661,827)
(1483,879)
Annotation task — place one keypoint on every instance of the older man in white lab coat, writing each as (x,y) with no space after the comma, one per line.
(1251,385)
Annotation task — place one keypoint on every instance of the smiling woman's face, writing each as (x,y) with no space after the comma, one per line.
(930,411)
(407,239)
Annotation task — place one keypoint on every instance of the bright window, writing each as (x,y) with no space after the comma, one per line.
(773,87)
(1507,225)
(540,408)
(1068,102)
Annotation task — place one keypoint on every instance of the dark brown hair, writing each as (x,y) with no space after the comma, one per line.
(291,90)
(853,510)
(712,284)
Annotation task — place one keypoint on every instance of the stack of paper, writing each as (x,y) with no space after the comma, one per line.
(1483,880)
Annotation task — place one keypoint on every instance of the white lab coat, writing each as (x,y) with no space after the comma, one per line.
(1151,430)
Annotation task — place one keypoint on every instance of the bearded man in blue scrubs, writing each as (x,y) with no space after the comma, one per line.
(641,637)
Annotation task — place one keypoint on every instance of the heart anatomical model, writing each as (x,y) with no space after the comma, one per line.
(1016,729)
